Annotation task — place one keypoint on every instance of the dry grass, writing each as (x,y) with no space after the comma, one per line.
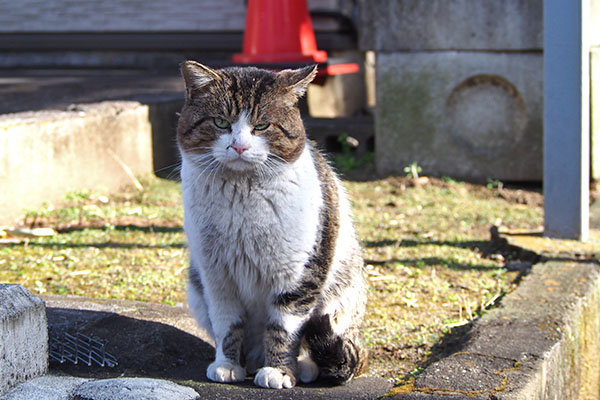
(429,263)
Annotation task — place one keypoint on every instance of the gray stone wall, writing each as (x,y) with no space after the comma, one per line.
(417,25)
(459,86)
(469,115)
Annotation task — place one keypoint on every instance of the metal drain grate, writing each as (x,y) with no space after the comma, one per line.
(80,348)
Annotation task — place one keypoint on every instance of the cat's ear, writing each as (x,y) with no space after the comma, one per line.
(297,80)
(197,76)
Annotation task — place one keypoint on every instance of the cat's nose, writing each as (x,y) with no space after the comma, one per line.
(239,148)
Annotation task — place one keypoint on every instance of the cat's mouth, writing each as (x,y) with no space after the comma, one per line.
(241,164)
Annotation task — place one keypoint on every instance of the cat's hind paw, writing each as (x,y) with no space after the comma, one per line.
(274,378)
(223,371)
(308,371)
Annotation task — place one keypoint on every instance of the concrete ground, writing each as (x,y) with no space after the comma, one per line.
(34,90)
(542,341)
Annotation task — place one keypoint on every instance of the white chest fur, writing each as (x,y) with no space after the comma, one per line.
(262,232)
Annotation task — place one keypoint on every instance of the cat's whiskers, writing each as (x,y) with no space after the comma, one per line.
(207,150)
(207,165)
(274,157)
(269,169)
(174,170)
(271,166)
(215,172)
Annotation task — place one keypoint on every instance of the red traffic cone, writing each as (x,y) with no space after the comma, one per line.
(279,31)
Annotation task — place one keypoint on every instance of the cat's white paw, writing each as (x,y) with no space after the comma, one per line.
(308,371)
(224,371)
(269,377)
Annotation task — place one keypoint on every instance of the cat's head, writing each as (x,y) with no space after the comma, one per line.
(242,118)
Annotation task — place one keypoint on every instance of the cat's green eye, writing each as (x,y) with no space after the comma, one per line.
(261,127)
(221,123)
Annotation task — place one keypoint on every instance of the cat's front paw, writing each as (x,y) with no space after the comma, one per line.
(274,378)
(224,371)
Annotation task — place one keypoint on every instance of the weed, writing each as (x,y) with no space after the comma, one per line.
(413,170)
(494,184)
(347,160)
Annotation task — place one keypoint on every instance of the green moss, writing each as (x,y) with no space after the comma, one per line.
(403,120)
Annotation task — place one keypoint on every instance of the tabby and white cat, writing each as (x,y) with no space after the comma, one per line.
(276,271)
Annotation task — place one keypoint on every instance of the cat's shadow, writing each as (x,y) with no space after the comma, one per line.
(152,349)
(142,348)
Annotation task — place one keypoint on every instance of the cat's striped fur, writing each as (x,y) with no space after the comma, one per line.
(276,272)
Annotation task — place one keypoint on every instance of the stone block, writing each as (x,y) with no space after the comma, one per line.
(44,154)
(24,336)
(340,95)
(47,387)
(134,389)
(405,25)
(469,115)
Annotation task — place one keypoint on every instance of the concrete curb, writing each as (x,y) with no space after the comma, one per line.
(542,342)
(24,336)
(47,153)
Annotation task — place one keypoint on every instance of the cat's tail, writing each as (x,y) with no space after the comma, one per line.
(340,358)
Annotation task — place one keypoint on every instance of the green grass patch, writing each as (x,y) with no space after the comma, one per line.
(429,263)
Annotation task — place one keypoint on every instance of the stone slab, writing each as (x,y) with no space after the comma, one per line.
(133,389)
(47,387)
(56,387)
(468,115)
(24,336)
(550,248)
(339,95)
(415,25)
(45,154)
(71,312)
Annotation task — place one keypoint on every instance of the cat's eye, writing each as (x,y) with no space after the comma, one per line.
(261,127)
(221,123)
